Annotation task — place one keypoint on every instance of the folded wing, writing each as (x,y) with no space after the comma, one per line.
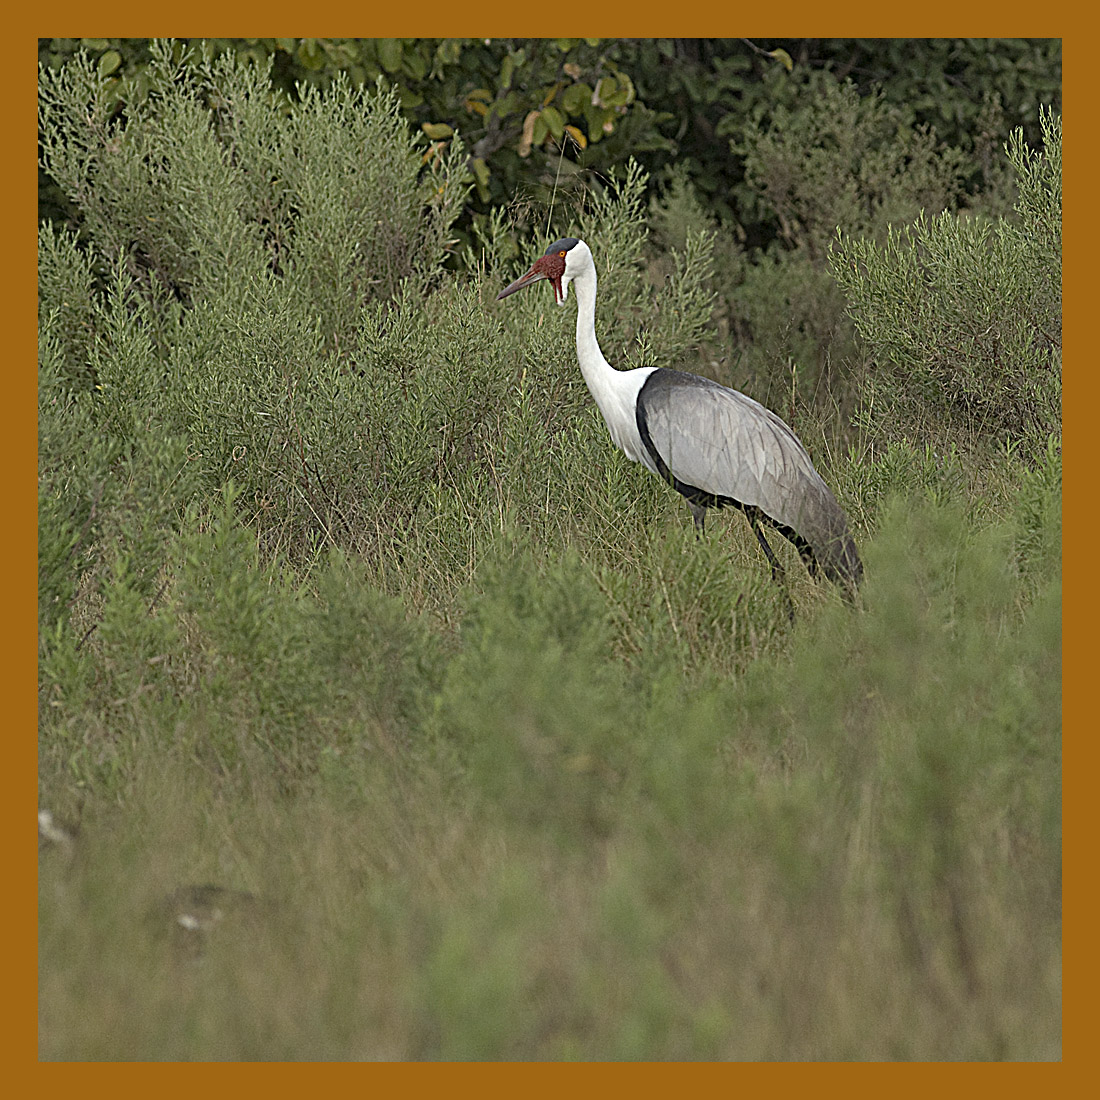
(711,441)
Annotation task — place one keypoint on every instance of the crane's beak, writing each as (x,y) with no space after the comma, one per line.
(532,276)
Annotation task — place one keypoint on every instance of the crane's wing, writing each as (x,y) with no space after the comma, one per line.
(710,441)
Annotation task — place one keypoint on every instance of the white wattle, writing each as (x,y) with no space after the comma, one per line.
(615,391)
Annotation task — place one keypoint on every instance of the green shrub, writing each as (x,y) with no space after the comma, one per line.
(1039,516)
(112,479)
(823,159)
(962,317)
(352,398)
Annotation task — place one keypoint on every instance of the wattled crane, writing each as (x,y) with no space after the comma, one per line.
(713,445)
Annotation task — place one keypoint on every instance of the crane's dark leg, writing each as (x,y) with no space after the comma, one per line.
(779,574)
(699,515)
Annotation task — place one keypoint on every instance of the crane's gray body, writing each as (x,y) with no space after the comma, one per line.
(718,447)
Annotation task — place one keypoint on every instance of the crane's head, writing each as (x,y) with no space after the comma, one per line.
(562,262)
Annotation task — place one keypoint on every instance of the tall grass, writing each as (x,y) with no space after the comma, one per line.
(521,844)
(347,601)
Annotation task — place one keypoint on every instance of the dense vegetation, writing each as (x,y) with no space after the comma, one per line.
(346,599)
(558,113)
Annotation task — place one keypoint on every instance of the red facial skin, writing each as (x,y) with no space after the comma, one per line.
(545,267)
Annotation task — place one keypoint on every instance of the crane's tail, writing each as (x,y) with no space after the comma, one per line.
(834,554)
(824,526)
(839,560)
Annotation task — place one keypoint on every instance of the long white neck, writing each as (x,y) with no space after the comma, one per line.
(598,372)
(615,391)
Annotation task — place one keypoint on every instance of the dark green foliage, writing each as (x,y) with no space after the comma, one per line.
(536,115)
(944,80)
(346,600)
(836,158)
(972,93)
